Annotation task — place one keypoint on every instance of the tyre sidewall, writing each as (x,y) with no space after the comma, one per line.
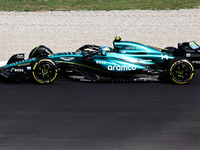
(40,61)
(180,61)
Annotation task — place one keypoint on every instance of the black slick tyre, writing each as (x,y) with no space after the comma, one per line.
(40,51)
(180,70)
(44,71)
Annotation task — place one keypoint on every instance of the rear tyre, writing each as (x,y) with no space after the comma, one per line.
(44,70)
(40,51)
(173,51)
(180,70)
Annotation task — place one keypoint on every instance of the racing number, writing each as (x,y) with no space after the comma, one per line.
(164,57)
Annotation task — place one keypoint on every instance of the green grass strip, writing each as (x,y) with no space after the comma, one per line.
(67,5)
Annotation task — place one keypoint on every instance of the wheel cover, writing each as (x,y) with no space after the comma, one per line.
(182,72)
(45,72)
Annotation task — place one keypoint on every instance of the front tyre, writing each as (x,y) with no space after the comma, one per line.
(180,70)
(44,70)
(40,51)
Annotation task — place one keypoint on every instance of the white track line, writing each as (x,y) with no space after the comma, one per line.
(2,63)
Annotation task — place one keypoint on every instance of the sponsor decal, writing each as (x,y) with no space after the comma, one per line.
(20,56)
(188,54)
(192,55)
(196,55)
(18,70)
(141,60)
(69,70)
(196,62)
(122,68)
(123,51)
(100,62)
(67,58)
(131,48)
(76,77)
(146,60)
(193,45)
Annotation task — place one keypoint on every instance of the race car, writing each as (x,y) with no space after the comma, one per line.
(125,62)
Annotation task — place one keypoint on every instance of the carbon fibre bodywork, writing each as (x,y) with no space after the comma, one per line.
(126,62)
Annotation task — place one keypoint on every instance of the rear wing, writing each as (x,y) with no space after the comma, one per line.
(189,47)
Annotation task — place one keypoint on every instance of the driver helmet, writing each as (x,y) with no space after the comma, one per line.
(105,48)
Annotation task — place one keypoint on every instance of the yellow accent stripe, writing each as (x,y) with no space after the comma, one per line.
(23,64)
(47,60)
(54,76)
(35,50)
(35,66)
(179,82)
(192,76)
(171,68)
(48,52)
(158,47)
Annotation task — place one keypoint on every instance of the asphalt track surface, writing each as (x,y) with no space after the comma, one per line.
(71,115)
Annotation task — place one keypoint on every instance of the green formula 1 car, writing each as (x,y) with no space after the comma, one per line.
(125,62)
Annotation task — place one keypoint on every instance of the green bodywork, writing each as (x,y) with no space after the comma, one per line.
(129,57)
(126,59)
